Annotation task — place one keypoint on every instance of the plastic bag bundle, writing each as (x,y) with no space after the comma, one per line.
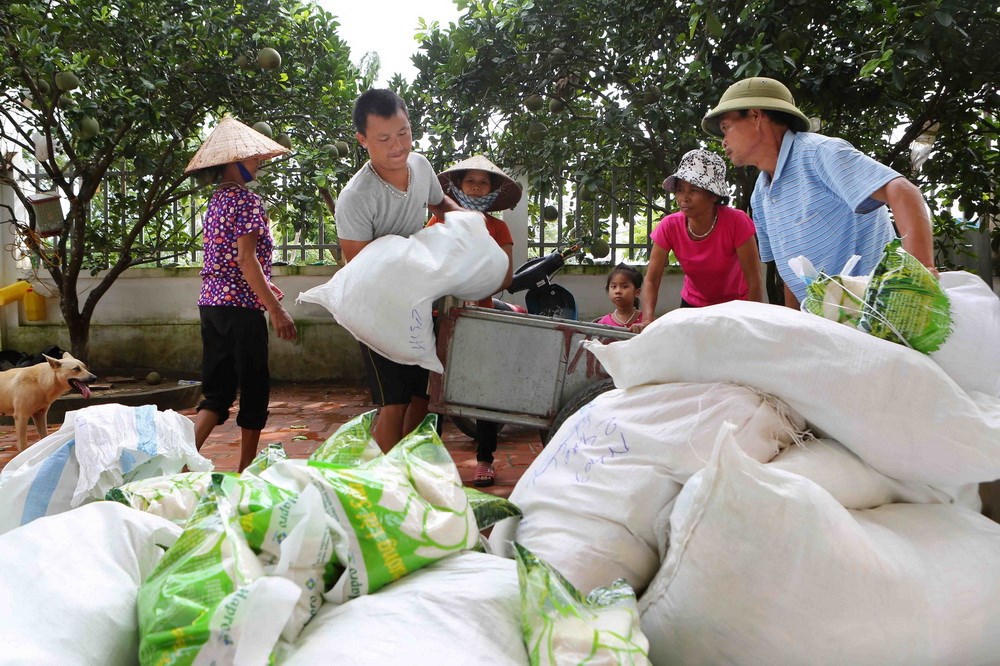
(840,298)
(209,599)
(70,582)
(400,511)
(905,303)
(172,496)
(351,445)
(175,496)
(901,301)
(561,626)
(489,509)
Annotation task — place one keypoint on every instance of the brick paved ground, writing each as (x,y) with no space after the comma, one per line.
(304,415)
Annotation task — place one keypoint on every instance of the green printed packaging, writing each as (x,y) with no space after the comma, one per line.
(840,298)
(351,445)
(905,303)
(208,599)
(173,496)
(401,511)
(490,509)
(561,626)
(274,453)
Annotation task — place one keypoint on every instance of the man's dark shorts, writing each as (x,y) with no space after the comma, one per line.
(393,383)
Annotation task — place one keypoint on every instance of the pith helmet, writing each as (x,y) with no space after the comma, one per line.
(756,93)
(232,141)
(510,190)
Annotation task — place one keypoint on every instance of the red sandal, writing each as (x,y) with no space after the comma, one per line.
(485,475)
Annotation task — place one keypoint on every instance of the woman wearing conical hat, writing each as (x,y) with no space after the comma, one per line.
(236,285)
(478,184)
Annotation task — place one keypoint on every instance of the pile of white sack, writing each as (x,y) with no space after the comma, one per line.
(774,486)
(780,488)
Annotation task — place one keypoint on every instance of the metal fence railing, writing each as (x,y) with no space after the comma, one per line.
(300,237)
(624,209)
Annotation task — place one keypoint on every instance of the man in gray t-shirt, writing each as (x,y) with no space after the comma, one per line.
(369,208)
(392,194)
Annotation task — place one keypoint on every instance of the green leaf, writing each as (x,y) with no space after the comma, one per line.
(714,26)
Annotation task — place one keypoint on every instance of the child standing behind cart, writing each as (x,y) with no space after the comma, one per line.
(623,286)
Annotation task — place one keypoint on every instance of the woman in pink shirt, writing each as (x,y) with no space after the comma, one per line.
(714,243)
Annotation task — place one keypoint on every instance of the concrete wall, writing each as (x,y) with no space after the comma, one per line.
(149,319)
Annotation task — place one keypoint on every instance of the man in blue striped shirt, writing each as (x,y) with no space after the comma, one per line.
(815,196)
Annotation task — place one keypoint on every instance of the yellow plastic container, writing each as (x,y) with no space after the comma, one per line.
(14,292)
(34,306)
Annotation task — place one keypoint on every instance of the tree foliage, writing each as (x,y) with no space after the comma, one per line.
(626,84)
(155,75)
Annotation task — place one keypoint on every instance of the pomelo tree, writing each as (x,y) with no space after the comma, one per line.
(110,87)
(631,82)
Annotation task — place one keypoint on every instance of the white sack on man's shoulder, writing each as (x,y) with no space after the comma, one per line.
(384,296)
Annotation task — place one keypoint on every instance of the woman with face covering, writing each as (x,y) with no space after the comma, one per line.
(714,243)
(478,184)
(236,286)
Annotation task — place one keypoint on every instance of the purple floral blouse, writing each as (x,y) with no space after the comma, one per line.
(233,212)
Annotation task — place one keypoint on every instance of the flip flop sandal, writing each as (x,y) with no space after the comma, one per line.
(485,475)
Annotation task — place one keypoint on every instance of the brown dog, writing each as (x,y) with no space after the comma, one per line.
(28,392)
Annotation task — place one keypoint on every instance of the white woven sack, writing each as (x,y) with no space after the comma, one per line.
(385,294)
(856,485)
(40,480)
(69,583)
(597,500)
(971,354)
(765,567)
(117,443)
(464,609)
(892,406)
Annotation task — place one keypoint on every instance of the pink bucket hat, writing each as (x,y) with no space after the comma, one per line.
(702,168)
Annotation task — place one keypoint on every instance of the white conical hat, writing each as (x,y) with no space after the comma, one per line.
(510,190)
(232,141)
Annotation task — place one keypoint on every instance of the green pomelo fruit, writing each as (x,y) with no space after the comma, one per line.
(89,128)
(550,213)
(343,148)
(268,58)
(263,128)
(537,131)
(534,102)
(67,81)
(600,248)
(284,140)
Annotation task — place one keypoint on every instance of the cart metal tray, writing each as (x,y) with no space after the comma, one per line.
(514,368)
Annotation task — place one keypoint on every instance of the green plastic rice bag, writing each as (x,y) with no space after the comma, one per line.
(172,496)
(562,627)
(490,509)
(401,511)
(351,445)
(208,599)
(175,496)
(840,298)
(272,454)
(905,303)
